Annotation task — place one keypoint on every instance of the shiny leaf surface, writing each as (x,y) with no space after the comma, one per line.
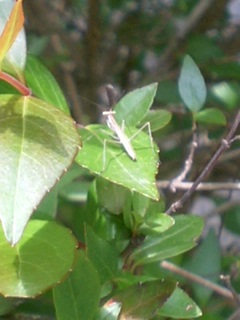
(37,144)
(43,256)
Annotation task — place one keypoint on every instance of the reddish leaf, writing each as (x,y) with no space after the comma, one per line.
(12,28)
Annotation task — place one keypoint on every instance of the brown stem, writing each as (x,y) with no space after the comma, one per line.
(25,91)
(225,143)
(188,162)
(203,186)
(193,277)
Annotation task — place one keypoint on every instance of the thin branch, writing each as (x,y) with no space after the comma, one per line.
(188,162)
(193,277)
(203,186)
(235,138)
(225,143)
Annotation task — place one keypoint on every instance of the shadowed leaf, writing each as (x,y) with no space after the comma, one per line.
(37,144)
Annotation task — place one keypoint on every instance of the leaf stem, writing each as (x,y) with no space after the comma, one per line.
(25,91)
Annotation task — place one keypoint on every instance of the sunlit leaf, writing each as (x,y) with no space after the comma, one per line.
(134,106)
(180,306)
(37,144)
(103,156)
(106,157)
(43,256)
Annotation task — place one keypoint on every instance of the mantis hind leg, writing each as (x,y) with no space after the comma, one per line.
(140,130)
(105,141)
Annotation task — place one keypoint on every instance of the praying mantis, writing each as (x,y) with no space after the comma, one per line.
(122,137)
(137,148)
(135,164)
(119,131)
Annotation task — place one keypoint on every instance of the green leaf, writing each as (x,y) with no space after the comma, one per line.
(126,279)
(44,85)
(133,107)
(78,297)
(43,256)
(137,209)
(180,305)
(102,254)
(105,225)
(179,238)
(111,196)
(37,144)
(212,116)
(140,204)
(143,300)
(156,223)
(191,85)
(157,119)
(118,168)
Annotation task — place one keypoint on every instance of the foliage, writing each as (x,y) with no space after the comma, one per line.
(86,229)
